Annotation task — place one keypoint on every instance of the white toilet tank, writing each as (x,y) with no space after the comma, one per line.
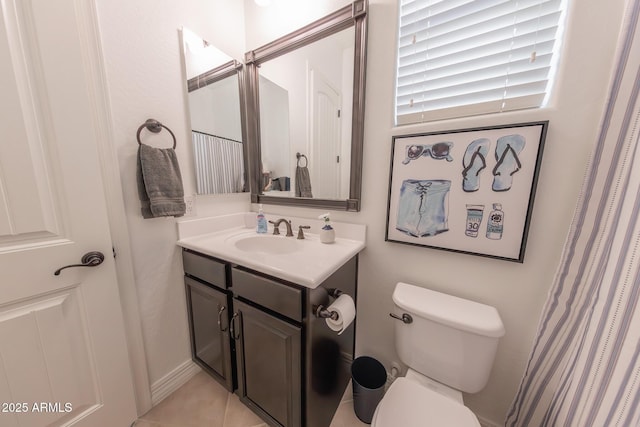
(451,340)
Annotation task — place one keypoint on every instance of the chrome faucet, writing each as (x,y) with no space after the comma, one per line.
(277,223)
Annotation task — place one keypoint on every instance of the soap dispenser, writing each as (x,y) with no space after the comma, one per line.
(327,233)
(262,222)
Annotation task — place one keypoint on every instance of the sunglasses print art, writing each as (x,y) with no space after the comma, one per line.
(437,151)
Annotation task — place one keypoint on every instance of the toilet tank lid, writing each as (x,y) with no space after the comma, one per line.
(449,310)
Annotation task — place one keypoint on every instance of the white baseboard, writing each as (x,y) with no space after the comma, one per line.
(173,381)
(486,423)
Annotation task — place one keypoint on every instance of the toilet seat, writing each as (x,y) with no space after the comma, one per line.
(409,404)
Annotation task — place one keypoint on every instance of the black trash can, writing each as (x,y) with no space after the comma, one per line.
(368,378)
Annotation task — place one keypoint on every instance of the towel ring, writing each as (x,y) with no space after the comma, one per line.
(299,156)
(154,126)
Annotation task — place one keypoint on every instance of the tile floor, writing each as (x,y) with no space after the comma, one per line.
(202,402)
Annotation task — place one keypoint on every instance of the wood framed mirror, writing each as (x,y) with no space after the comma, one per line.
(305,112)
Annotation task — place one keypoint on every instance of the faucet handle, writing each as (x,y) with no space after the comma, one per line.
(300,232)
(276,230)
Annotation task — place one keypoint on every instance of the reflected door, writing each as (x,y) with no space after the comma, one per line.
(325,140)
(62,341)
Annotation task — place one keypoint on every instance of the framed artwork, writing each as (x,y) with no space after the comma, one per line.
(468,190)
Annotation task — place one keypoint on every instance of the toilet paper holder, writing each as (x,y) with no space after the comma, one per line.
(321,312)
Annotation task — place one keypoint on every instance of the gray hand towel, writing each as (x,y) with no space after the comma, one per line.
(159,182)
(303,182)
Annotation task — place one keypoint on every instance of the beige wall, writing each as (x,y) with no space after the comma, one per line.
(144,73)
(143,65)
(517,290)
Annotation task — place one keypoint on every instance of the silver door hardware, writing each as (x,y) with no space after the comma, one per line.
(232,326)
(222,329)
(90,259)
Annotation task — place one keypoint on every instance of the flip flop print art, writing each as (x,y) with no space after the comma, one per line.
(508,148)
(474,161)
(423,207)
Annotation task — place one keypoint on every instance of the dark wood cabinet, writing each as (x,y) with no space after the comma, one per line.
(260,336)
(209,310)
(269,361)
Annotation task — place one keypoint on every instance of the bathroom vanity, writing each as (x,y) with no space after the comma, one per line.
(257,331)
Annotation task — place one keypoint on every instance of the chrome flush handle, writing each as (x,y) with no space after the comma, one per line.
(406,318)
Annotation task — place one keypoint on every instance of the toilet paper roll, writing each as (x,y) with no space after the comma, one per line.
(346,309)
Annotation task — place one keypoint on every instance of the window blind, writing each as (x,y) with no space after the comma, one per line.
(465,57)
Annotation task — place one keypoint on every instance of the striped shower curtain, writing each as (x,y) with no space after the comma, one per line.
(584,368)
(219,164)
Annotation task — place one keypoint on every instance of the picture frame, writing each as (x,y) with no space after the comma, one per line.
(469,191)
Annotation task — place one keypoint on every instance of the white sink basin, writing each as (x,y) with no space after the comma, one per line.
(268,244)
(306,262)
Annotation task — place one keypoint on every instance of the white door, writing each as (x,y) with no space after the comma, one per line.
(63,355)
(325,138)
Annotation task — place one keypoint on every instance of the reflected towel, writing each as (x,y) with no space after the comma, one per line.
(303,182)
(159,182)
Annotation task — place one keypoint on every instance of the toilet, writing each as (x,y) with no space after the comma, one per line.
(449,345)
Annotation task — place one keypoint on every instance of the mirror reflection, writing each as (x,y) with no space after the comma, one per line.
(274,137)
(215,111)
(305,119)
(306,113)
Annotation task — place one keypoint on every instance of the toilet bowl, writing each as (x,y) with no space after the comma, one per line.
(408,403)
(449,345)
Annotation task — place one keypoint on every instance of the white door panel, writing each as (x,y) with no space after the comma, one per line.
(325,137)
(49,336)
(26,205)
(63,355)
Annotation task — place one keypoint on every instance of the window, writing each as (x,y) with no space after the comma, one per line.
(465,57)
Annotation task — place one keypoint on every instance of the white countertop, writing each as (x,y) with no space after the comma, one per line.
(309,265)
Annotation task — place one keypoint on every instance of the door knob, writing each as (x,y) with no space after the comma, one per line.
(90,259)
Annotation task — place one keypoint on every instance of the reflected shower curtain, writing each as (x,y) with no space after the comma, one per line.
(584,368)
(219,164)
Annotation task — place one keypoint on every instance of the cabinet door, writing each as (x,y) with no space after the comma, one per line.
(209,327)
(269,364)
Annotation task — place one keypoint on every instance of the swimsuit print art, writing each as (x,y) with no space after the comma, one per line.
(423,207)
